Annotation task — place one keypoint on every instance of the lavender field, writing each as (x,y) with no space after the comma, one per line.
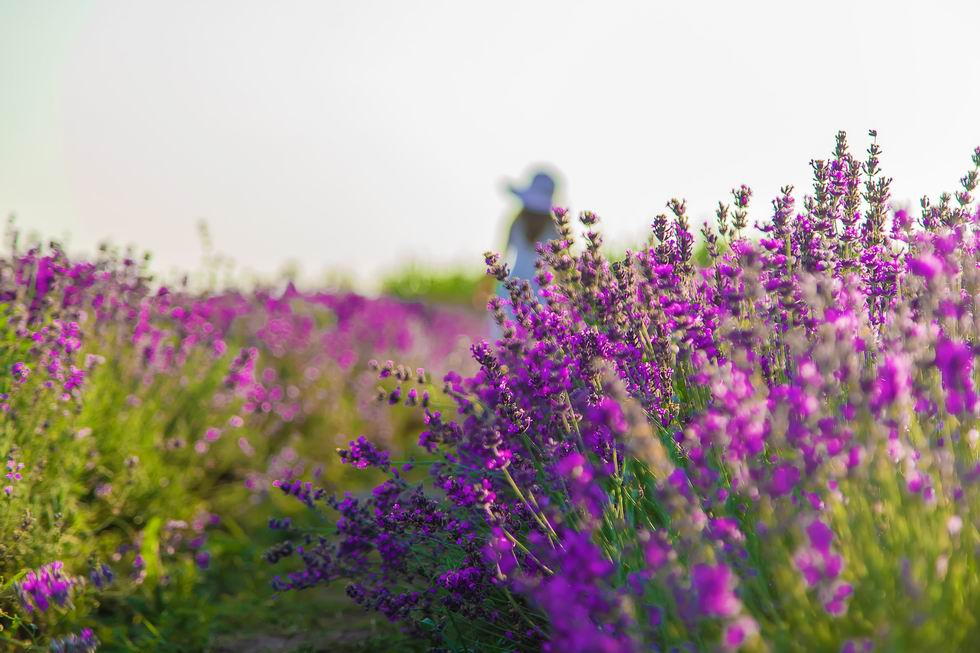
(146,433)
(759,435)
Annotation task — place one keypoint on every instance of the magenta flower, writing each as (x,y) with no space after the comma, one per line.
(955,363)
(739,631)
(837,604)
(44,586)
(715,589)
(893,383)
(927,266)
(657,551)
(784,479)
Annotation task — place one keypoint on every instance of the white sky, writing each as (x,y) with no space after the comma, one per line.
(356,135)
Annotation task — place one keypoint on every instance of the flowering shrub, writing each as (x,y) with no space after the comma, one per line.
(777,451)
(143,427)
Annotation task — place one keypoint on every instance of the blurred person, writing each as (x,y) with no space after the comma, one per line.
(533,224)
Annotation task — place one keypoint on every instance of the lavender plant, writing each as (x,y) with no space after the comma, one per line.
(776,451)
(141,427)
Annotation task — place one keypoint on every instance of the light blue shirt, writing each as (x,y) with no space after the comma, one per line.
(520,255)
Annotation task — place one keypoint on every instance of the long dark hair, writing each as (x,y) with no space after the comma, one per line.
(532,223)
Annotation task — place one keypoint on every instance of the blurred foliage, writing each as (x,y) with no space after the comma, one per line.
(452,286)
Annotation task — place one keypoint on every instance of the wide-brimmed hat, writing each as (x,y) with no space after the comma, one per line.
(538,195)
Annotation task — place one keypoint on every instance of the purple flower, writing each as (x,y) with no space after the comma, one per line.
(580,609)
(893,383)
(579,475)
(820,536)
(857,646)
(499,551)
(305,492)
(20,372)
(13,475)
(725,528)
(927,266)
(837,604)
(657,551)
(84,641)
(39,588)
(202,559)
(739,631)
(821,567)
(784,479)
(715,589)
(101,576)
(362,454)
(955,363)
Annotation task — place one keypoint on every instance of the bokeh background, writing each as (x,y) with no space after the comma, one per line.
(351,138)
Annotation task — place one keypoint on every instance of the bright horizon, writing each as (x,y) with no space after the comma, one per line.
(355,137)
